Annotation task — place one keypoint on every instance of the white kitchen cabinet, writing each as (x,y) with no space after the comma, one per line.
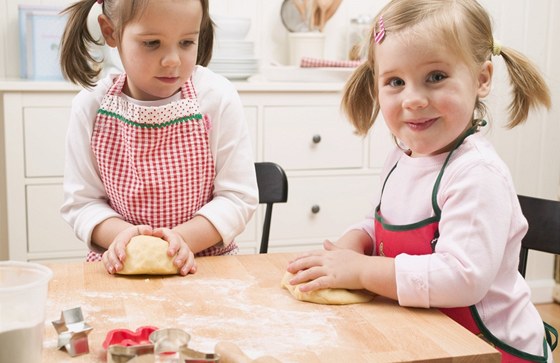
(298,126)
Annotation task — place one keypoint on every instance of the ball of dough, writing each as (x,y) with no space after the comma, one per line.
(325,296)
(147,255)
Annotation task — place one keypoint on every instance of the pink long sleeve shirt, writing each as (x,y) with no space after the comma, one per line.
(477,254)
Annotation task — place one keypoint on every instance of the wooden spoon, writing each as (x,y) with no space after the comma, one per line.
(323,6)
(332,9)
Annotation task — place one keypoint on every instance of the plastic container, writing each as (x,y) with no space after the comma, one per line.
(23,298)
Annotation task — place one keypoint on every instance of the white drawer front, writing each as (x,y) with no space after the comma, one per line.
(251,115)
(44,136)
(47,231)
(342,201)
(310,138)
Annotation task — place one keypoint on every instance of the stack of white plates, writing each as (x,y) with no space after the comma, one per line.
(233,57)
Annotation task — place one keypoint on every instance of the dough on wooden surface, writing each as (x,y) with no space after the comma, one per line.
(325,296)
(147,255)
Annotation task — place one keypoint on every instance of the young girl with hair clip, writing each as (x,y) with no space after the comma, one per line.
(162,149)
(447,228)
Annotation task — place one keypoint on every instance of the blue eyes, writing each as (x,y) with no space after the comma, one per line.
(396,82)
(436,77)
(433,77)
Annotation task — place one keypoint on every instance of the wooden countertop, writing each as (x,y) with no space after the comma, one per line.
(238,299)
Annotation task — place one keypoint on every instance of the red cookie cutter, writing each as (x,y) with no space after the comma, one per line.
(127,338)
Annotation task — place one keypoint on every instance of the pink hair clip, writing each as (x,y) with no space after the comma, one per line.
(380,34)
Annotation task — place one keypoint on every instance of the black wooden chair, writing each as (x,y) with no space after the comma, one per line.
(543,235)
(273,188)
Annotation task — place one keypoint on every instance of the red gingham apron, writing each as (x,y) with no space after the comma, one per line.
(155,162)
(420,238)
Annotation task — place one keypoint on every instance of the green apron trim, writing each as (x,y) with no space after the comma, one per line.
(550,331)
(506,348)
(435,206)
(196,116)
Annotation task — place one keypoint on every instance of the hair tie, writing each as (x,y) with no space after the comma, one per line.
(380,34)
(496,48)
(100,2)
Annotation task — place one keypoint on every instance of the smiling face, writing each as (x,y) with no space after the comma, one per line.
(426,94)
(158,50)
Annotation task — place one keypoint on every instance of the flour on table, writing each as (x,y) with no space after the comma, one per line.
(238,314)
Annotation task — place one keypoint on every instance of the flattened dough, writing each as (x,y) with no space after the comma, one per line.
(147,255)
(325,296)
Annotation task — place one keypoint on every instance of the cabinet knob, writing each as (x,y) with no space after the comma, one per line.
(316,139)
(315,209)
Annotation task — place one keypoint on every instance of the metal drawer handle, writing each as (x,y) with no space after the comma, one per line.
(316,139)
(315,209)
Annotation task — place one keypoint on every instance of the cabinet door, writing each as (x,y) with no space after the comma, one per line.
(44,139)
(310,138)
(48,233)
(319,208)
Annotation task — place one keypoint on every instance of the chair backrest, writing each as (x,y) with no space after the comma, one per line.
(543,235)
(273,188)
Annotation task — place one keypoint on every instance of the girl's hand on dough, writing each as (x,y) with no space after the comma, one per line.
(184,257)
(115,255)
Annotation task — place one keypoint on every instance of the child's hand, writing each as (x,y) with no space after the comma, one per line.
(115,255)
(184,257)
(333,267)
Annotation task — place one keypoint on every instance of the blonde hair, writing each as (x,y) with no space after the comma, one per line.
(465,27)
(79,65)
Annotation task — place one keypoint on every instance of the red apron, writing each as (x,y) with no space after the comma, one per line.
(155,162)
(420,238)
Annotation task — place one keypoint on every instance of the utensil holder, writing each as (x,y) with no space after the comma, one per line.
(305,44)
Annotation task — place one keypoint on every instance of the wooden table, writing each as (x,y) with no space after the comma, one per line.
(238,299)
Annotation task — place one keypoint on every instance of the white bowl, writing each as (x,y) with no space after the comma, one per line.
(231,28)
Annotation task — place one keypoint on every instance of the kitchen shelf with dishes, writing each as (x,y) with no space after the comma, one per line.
(331,171)
(233,56)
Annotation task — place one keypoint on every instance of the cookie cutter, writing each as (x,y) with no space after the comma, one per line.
(193,356)
(72,332)
(170,344)
(127,338)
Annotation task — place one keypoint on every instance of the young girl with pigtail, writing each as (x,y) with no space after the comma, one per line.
(162,149)
(447,228)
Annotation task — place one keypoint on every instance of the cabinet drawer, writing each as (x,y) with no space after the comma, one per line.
(251,114)
(341,201)
(44,130)
(310,138)
(47,231)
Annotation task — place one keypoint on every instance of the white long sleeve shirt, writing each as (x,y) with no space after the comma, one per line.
(477,253)
(235,195)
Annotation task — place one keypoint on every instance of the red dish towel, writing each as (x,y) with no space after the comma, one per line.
(307,62)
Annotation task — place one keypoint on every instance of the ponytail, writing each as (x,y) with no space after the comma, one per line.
(529,89)
(76,62)
(359,100)
(206,37)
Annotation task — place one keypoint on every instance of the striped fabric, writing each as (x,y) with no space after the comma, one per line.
(307,62)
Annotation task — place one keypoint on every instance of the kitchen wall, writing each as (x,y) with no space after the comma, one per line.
(532,151)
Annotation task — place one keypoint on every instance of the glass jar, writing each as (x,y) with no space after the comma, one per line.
(358,36)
